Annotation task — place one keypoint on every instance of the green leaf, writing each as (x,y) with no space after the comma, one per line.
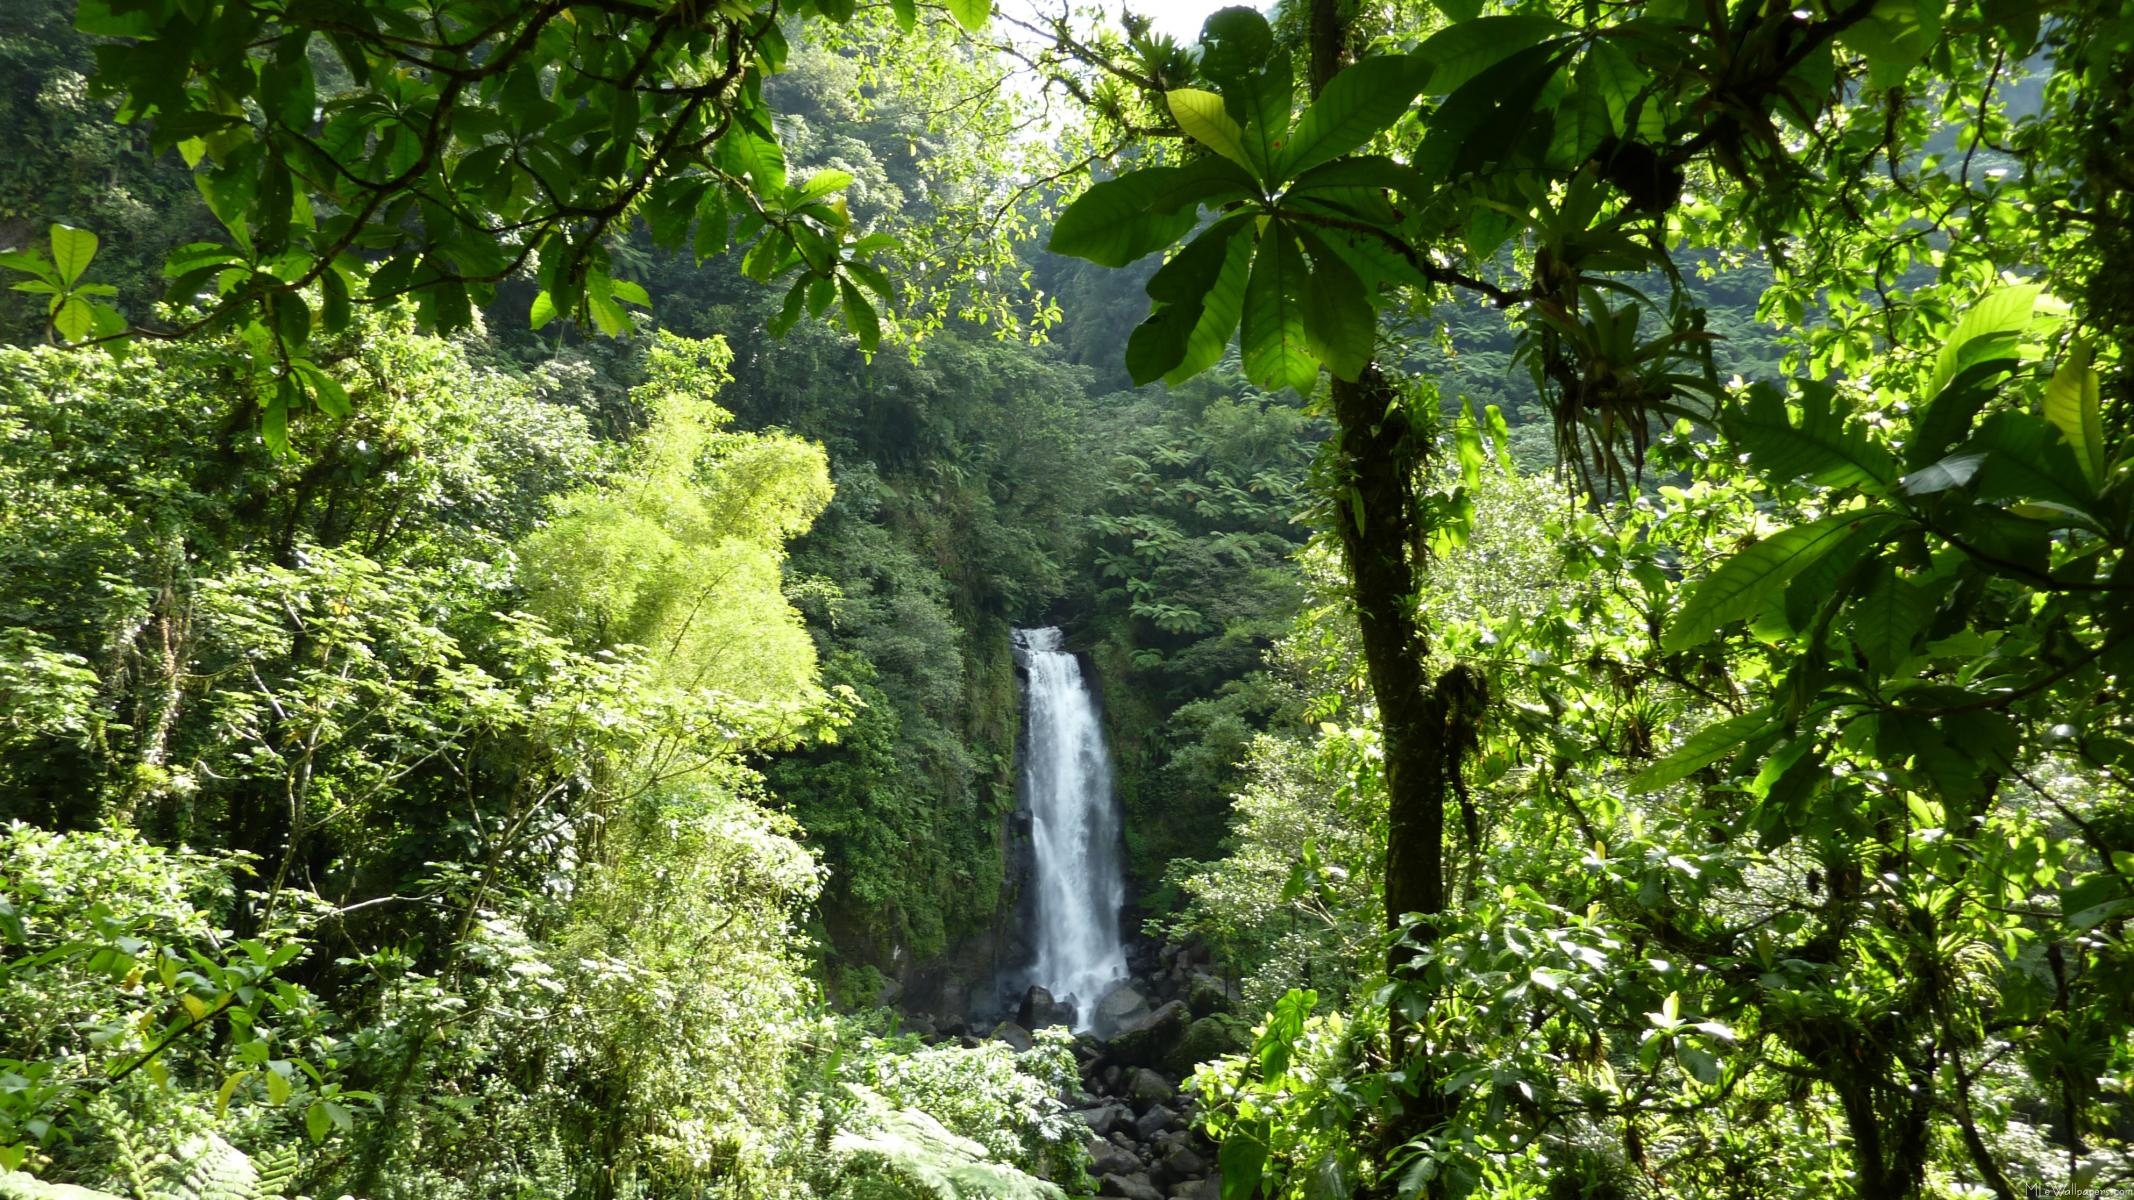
(544,310)
(1114,222)
(1460,52)
(1234,42)
(1356,105)
(821,184)
(1275,351)
(1705,747)
(971,14)
(1202,116)
(1340,325)
(1890,617)
(317,1122)
(1615,79)
(1820,449)
(1991,328)
(1949,414)
(2028,460)
(71,251)
(1894,38)
(2071,404)
(1220,311)
(73,318)
(1242,1159)
(326,391)
(1485,118)
(1741,584)
(1181,290)
(1938,767)
(1366,171)
(860,317)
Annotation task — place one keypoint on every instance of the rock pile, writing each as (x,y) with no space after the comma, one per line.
(1175,1013)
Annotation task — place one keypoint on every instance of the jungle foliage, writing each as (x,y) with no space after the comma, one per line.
(401,729)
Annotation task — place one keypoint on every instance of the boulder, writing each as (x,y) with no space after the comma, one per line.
(1154,1121)
(1121,1006)
(1208,995)
(1038,1009)
(1107,1158)
(1210,1188)
(1129,1187)
(1145,1089)
(1180,1164)
(1014,1035)
(1102,1119)
(1148,1040)
(1206,1039)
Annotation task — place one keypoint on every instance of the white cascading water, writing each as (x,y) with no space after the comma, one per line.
(1075,829)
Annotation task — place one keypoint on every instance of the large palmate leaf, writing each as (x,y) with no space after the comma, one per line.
(1205,120)
(1188,291)
(1119,220)
(1742,584)
(1276,352)
(1340,325)
(1819,448)
(1355,106)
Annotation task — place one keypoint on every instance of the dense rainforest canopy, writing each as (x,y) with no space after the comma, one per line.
(1599,529)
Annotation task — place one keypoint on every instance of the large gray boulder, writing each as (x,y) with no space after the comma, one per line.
(1129,1187)
(1145,1089)
(1108,1158)
(1038,1009)
(1102,1119)
(1014,1035)
(1120,1006)
(1147,1040)
(1154,1121)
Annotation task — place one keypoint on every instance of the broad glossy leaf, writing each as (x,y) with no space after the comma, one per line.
(1889,618)
(1705,747)
(1364,171)
(1234,43)
(2028,461)
(1182,289)
(1219,315)
(1205,120)
(1894,37)
(1356,105)
(1340,325)
(1936,764)
(1460,52)
(1275,350)
(1820,449)
(2071,404)
(1991,328)
(71,251)
(1489,113)
(861,318)
(1114,222)
(971,14)
(1742,584)
(1614,79)
(1948,416)
(821,184)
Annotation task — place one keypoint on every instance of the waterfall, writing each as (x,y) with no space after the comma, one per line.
(1074,829)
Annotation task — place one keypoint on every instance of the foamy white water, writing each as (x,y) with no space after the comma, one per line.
(1075,829)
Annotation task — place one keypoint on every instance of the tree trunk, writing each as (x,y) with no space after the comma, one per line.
(1376,520)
